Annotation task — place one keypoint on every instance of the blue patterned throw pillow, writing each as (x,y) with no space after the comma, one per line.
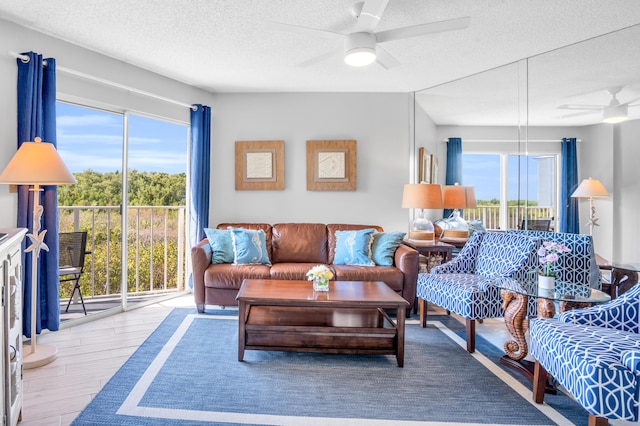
(354,247)
(221,245)
(249,247)
(384,246)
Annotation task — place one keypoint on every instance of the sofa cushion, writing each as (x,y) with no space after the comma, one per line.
(384,247)
(299,242)
(354,247)
(266,228)
(291,271)
(228,276)
(221,245)
(249,247)
(331,235)
(391,276)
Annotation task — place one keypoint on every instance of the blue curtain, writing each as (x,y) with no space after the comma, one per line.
(454,166)
(199,173)
(37,118)
(568,214)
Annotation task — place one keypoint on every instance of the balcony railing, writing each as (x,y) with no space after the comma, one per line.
(155,249)
(490,215)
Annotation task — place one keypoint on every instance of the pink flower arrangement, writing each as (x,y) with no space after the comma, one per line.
(549,254)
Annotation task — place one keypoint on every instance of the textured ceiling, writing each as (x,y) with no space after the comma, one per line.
(225,46)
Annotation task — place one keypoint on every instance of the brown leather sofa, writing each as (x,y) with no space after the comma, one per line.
(294,248)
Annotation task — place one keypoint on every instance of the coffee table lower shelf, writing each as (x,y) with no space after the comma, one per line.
(320,330)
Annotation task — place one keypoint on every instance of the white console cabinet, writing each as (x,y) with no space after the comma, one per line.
(11,324)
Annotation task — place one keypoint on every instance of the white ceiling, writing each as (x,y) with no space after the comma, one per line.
(224,46)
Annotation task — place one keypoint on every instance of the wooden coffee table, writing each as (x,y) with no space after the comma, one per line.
(283,315)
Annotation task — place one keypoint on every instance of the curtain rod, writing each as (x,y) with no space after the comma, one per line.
(510,140)
(25,59)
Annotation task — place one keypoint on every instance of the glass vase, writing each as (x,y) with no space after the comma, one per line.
(321,284)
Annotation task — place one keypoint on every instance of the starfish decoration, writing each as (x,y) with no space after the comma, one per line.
(37,238)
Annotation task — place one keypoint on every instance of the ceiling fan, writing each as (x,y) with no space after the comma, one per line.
(362,46)
(614,112)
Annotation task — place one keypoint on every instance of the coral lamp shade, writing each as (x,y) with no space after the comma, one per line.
(422,196)
(36,163)
(454,197)
(590,188)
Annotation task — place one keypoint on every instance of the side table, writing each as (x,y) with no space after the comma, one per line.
(623,276)
(515,295)
(436,253)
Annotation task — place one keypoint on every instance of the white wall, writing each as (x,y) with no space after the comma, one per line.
(72,88)
(626,175)
(379,123)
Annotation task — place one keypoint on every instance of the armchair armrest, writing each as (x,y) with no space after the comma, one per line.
(406,260)
(631,360)
(200,261)
(613,314)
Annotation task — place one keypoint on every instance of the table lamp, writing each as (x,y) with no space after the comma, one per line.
(36,163)
(590,188)
(457,197)
(422,196)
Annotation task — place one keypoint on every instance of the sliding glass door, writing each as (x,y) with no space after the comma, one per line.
(135,244)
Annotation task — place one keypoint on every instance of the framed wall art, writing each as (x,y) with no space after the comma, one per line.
(424,166)
(259,165)
(331,165)
(434,169)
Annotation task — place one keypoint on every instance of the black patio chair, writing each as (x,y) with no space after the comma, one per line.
(536,224)
(73,247)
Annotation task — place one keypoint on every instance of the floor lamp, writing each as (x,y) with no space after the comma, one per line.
(590,188)
(36,163)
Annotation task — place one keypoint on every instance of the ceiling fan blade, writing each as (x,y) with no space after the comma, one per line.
(320,58)
(296,29)
(631,101)
(385,59)
(577,114)
(370,15)
(423,29)
(587,107)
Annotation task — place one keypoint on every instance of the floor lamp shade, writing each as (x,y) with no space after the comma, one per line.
(36,163)
(422,196)
(591,188)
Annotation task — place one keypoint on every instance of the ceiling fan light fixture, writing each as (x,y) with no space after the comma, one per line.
(615,114)
(360,56)
(359,49)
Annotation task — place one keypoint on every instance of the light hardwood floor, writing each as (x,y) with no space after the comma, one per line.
(89,354)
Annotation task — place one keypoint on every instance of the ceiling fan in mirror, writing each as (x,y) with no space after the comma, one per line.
(614,112)
(362,46)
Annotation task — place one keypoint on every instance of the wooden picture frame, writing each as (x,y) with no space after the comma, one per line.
(259,165)
(424,166)
(331,165)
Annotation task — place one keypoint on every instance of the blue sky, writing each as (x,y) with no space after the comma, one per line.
(92,139)
(483,172)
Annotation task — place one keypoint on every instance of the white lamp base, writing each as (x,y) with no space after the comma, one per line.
(43,355)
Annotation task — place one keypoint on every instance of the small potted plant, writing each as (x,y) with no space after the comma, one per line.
(548,255)
(320,275)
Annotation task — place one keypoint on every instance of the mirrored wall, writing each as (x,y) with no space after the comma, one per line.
(512,118)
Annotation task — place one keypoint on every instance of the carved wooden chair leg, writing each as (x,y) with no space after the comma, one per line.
(539,381)
(471,335)
(423,312)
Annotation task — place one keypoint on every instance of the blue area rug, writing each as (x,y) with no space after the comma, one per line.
(187,373)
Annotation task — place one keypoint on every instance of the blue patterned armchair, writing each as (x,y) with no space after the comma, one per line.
(464,285)
(594,354)
(579,265)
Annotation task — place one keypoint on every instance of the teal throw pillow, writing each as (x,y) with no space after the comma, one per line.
(221,245)
(249,247)
(384,247)
(354,247)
